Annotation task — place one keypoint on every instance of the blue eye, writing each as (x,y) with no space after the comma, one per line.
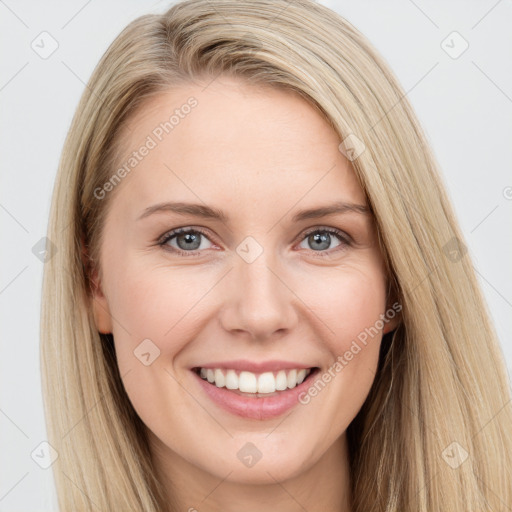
(319,240)
(189,241)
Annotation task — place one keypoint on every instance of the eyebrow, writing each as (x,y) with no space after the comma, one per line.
(207,212)
(332,209)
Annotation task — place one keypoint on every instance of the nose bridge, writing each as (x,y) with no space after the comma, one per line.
(259,282)
(261,303)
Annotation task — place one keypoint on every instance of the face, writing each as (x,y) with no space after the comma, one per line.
(245,278)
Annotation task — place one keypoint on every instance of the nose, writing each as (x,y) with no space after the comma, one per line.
(258,301)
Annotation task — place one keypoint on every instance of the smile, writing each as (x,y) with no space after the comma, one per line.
(254,395)
(249,382)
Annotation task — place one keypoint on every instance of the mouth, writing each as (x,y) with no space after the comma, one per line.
(255,385)
(255,396)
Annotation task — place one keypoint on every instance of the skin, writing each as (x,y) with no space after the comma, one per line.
(261,155)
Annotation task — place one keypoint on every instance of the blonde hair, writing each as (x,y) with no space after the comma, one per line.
(441,376)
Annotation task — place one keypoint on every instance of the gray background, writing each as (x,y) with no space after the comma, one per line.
(464,104)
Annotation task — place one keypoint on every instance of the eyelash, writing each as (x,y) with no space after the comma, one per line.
(342,236)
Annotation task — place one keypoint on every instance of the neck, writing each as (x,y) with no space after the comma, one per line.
(325,485)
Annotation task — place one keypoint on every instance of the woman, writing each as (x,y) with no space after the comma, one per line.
(261,298)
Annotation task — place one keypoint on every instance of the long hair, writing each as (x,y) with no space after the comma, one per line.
(435,430)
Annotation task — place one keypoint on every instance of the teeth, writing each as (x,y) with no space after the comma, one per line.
(301,375)
(248,382)
(292,378)
(220,380)
(231,379)
(266,383)
(281,381)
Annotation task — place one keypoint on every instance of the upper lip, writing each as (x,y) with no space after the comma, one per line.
(255,367)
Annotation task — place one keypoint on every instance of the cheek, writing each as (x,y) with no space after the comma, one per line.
(348,301)
(350,304)
(156,311)
(157,303)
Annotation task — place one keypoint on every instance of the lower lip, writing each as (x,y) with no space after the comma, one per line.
(254,407)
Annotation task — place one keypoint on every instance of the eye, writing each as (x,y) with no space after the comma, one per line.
(184,240)
(190,241)
(320,239)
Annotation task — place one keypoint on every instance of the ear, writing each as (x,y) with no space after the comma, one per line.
(100,307)
(101,310)
(391,324)
(393,310)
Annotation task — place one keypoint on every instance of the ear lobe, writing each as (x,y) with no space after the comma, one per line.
(392,301)
(391,324)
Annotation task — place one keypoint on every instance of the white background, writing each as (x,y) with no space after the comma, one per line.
(464,104)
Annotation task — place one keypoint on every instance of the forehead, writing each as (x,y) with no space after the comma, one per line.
(233,140)
(227,112)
